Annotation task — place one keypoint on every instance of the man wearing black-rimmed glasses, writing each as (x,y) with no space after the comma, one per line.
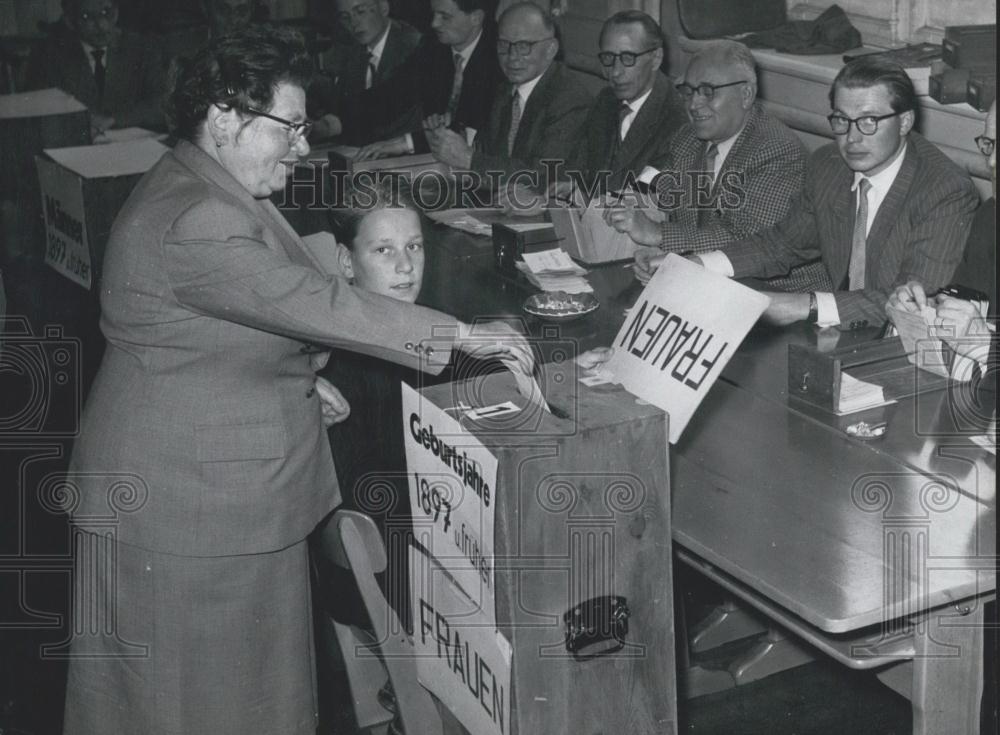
(732,170)
(881,206)
(633,117)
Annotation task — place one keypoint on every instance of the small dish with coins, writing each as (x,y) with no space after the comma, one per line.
(559,306)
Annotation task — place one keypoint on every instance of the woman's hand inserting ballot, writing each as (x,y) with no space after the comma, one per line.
(335,406)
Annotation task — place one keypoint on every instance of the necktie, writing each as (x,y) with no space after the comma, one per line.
(856,268)
(623,112)
(100,72)
(515,120)
(371,70)
(711,154)
(456,87)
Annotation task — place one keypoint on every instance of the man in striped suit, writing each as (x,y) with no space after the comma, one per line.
(881,206)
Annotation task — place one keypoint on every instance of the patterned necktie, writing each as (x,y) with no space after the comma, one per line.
(856,268)
(711,154)
(371,70)
(515,120)
(100,72)
(456,87)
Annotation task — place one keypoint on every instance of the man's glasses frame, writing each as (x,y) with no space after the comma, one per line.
(295,130)
(523,48)
(705,89)
(985,144)
(628,58)
(866,124)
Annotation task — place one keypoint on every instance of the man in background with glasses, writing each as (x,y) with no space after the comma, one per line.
(881,206)
(535,117)
(119,75)
(633,117)
(732,170)
(357,100)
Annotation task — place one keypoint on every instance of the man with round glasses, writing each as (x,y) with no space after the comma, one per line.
(119,75)
(732,170)
(633,117)
(535,117)
(881,206)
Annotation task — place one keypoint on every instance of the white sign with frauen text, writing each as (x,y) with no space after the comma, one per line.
(452,479)
(683,329)
(461,657)
(66,246)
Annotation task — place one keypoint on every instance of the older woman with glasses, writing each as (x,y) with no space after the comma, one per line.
(202,463)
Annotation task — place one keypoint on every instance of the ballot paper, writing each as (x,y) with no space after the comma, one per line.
(527,386)
(463,220)
(122,135)
(857,395)
(554,270)
(921,341)
(40,103)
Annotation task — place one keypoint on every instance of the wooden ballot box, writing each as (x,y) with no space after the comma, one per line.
(30,122)
(542,594)
(82,190)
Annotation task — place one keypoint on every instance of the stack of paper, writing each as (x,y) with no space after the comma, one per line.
(553,270)
(857,395)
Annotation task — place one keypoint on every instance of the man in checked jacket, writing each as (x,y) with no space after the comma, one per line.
(756,168)
(880,206)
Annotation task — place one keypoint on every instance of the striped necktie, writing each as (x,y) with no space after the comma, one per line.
(515,121)
(856,268)
(456,86)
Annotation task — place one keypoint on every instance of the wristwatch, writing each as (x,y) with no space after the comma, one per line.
(813,309)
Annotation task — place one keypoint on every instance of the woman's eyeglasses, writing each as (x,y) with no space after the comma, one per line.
(628,58)
(295,130)
(867,125)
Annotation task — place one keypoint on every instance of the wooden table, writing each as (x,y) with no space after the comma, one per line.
(879,554)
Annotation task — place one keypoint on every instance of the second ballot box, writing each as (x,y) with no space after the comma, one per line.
(541,583)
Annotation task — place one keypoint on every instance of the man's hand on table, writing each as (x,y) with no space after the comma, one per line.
(383,149)
(100,124)
(957,320)
(487,340)
(335,407)
(786,308)
(909,297)
(519,200)
(449,147)
(595,358)
(647,260)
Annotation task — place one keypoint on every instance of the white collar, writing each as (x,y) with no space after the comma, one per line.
(525,88)
(636,104)
(379,47)
(467,52)
(883,180)
(723,147)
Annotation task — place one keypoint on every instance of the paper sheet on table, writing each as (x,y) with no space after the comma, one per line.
(462,219)
(111,159)
(527,386)
(550,262)
(123,135)
(857,395)
(529,226)
(921,343)
(349,152)
(39,103)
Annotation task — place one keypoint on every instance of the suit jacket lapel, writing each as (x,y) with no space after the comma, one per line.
(888,212)
(533,109)
(843,211)
(644,125)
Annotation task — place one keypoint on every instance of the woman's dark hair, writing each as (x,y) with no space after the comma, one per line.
(870,71)
(363,195)
(240,70)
